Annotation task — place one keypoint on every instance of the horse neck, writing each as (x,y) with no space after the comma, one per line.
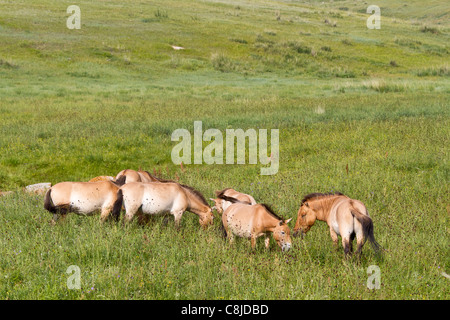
(195,205)
(270,223)
(322,207)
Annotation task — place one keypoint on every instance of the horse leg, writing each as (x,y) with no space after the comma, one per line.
(143,218)
(253,241)
(360,243)
(165,219)
(347,244)
(105,213)
(129,213)
(230,237)
(267,241)
(177,215)
(60,215)
(334,237)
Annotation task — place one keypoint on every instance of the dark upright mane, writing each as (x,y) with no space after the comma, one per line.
(230,199)
(153,177)
(269,209)
(221,193)
(197,193)
(320,195)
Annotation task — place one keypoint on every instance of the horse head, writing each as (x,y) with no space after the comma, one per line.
(305,219)
(281,234)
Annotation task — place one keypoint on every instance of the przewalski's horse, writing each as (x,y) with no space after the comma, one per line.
(157,198)
(252,221)
(221,203)
(83,198)
(345,216)
(135,176)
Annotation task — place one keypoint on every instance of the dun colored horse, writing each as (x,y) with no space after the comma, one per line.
(221,203)
(253,221)
(84,198)
(157,198)
(345,216)
(135,176)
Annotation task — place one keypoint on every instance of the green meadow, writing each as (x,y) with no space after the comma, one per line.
(361,111)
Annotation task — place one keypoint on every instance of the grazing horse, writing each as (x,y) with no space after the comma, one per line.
(221,203)
(345,216)
(83,198)
(252,221)
(135,176)
(157,198)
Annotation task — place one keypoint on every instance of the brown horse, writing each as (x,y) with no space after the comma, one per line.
(83,198)
(345,217)
(221,203)
(135,176)
(253,221)
(157,198)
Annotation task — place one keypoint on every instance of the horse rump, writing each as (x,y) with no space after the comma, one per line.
(367,225)
(48,203)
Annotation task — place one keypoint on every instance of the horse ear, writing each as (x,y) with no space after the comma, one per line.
(306,204)
(288,220)
(214,206)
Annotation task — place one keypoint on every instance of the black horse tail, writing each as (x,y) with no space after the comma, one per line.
(48,203)
(120,181)
(367,225)
(117,207)
(223,230)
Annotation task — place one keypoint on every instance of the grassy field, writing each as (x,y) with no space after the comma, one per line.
(75,104)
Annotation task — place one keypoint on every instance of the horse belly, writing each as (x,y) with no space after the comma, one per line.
(239,227)
(154,206)
(85,206)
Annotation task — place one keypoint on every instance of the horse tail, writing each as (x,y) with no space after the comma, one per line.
(367,225)
(48,203)
(223,230)
(117,207)
(120,181)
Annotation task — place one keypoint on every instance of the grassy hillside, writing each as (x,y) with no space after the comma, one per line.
(75,104)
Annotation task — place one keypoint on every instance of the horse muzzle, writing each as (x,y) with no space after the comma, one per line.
(299,232)
(286,247)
